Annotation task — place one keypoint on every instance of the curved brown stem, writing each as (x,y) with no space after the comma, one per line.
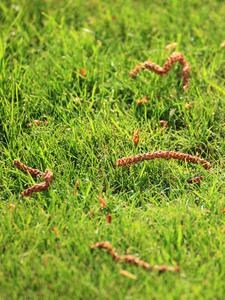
(27,170)
(48,177)
(131,259)
(163,71)
(162,154)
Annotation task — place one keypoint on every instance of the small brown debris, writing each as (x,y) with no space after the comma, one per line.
(170,46)
(128,274)
(144,100)
(164,123)
(76,186)
(195,179)
(46,261)
(83,72)
(103,204)
(109,218)
(222,45)
(136,137)
(56,230)
(11,206)
(37,122)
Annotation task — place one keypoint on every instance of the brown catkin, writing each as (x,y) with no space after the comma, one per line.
(162,154)
(129,259)
(163,71)
(48,177)
(27,170)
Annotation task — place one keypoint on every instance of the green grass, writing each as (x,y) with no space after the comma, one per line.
(156,214)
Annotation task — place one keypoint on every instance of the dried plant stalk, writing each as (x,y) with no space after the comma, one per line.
(162,154)
(27,170)
(48,177)
(131,259)
(163,71)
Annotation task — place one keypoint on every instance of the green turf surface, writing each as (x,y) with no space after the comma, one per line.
(156,215)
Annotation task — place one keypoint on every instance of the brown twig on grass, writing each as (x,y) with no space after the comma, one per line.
(162,154)
(27,170)
(131,259)
(163,71)
(48,177)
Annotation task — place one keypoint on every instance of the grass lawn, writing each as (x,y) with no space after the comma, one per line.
(156,215)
